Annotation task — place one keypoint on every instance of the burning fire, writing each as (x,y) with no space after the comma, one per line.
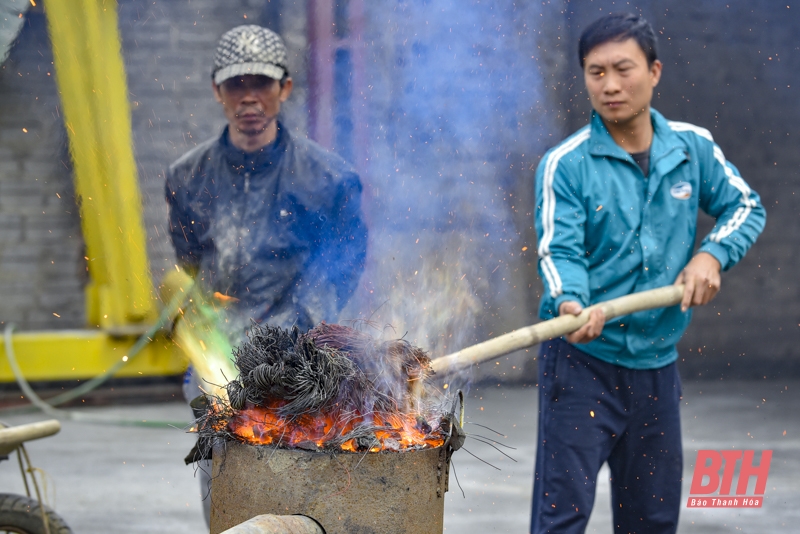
(261,425)
(332,388)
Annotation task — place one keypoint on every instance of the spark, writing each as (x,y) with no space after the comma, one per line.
(57,315)
(125,358)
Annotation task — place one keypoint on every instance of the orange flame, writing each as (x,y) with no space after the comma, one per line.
(259,425)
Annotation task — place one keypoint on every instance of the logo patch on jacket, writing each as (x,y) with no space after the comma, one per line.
(681,190)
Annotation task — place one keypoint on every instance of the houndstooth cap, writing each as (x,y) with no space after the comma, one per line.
(249,49)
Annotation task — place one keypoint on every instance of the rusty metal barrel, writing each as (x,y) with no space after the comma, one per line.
(380,492)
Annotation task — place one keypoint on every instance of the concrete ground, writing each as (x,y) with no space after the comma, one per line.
(107,479)
(716,415)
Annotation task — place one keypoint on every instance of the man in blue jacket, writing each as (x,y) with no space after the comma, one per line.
(267,222)
(265,219)
(616,214)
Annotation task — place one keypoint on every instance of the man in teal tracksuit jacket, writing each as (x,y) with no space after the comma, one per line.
(616,214)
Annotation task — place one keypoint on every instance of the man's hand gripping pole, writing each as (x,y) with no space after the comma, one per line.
(531,335)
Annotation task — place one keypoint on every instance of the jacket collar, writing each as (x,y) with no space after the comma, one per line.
(254,162)
(667,151)
(665,140)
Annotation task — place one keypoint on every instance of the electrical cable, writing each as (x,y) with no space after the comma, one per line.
(48,406)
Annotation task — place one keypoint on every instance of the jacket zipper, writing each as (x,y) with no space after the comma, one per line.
(242,223)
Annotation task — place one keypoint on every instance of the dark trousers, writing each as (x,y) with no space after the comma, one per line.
(591,412)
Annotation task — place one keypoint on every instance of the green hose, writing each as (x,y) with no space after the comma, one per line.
(49,406)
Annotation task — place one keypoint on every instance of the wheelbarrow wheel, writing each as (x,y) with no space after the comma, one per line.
(21,515)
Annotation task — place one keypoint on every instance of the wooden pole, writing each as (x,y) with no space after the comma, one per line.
(531,335)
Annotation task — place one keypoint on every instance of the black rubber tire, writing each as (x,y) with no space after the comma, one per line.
(22,515)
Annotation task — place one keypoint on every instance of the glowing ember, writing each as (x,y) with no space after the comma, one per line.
(260,425)
(333,389)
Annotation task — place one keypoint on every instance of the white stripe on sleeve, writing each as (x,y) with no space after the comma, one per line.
(742,212)
(686,127)
(735,222)
(549,209)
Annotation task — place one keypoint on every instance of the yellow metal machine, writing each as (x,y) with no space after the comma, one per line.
(120,299)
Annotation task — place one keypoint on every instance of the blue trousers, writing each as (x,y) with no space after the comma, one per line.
(592,412)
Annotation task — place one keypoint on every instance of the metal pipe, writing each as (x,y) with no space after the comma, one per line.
(13,436)
(277,524)
(565,324)
(320,72)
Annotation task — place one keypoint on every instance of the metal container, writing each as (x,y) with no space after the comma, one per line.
(346,493)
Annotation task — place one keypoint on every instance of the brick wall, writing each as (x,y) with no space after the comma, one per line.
(42,270)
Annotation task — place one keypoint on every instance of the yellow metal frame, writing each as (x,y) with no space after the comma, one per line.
(81,354)
(91,80)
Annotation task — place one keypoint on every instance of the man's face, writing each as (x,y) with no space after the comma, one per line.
(619,81)
(252,102)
